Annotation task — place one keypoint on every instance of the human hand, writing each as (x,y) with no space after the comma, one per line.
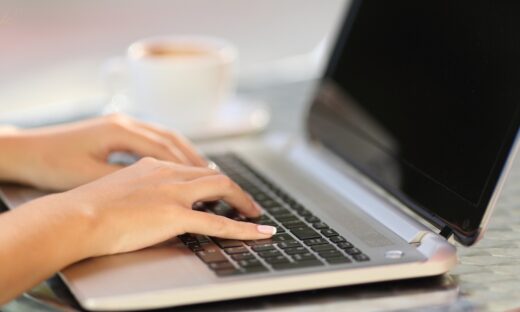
(135,207)
(65,156)
(151,201)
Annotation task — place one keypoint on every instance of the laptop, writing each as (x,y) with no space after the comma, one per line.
(407,143)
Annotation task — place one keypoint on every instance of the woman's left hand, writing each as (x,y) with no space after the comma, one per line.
(65,156)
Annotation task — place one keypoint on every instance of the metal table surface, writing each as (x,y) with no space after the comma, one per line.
(487,277)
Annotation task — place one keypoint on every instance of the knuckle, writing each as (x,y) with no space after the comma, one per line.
(148,161)
(220,225)
(224,181)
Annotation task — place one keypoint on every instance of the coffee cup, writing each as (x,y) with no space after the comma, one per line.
(179,81)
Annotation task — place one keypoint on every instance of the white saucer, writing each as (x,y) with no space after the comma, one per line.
(239,116)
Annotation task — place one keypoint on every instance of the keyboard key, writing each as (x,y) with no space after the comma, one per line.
(243,256)
(282,238)
(296,250)
(258,248)
(249,263)
(329,232)
(269,253)
(221,265)
(211,255)
(315,241)
(361,257)
(320,226)
(227,272)
(187,238)
(323,247)
(277,211)
(304,257)
(296,265)
(352,251)
(267,241)
(312,219)
(305,213)
(235,250)
(337,239)
(304,233)
(195,247)
(330,253)
(226,243)
(263,219)
(202,239)
(338,260)
(289,244)
(255,269)
(286,218)
(269,203)
(297,207)
(261,197)
(277,259)
(345,245)
(294,224)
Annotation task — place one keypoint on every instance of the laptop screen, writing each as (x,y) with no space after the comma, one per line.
(424,98)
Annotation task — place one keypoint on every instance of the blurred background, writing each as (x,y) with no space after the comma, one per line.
(53,51)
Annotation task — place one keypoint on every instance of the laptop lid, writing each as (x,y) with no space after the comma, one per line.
(424,98)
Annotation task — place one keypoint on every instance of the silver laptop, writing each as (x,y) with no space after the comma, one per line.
(407,143)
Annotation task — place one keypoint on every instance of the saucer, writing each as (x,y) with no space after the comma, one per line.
(239,116)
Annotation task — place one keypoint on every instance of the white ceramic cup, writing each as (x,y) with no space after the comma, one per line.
(180,81)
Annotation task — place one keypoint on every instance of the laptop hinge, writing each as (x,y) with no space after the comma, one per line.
(446,232)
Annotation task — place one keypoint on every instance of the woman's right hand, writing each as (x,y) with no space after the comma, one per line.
(151,201)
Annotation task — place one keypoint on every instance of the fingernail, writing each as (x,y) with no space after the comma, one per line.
(266,229)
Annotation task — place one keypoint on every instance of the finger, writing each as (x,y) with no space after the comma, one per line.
(146,143)
(221,187)
(179,141)
(214,225)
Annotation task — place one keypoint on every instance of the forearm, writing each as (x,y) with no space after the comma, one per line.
(14,155)
(37,240)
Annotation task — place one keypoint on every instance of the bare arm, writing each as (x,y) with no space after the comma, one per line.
(126,210)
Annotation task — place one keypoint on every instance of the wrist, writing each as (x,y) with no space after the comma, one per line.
(67,227)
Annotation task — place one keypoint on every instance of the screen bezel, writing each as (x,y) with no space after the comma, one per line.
(466,235)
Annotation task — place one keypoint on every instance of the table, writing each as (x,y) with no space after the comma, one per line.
(487,278)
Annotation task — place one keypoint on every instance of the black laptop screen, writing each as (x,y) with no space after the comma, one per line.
(423,96)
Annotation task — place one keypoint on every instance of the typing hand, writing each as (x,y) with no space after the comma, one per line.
(135,207)
(66,156)
(152,201)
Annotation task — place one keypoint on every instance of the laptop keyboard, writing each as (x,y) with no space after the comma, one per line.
(302,239)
